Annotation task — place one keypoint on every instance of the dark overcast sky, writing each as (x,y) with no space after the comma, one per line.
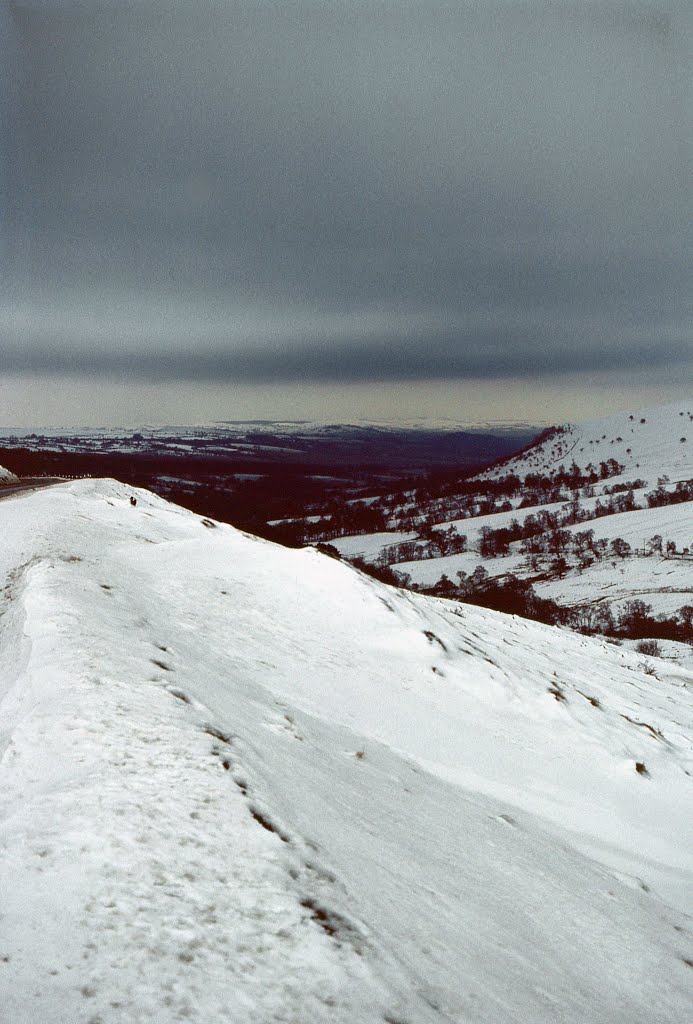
(235,206)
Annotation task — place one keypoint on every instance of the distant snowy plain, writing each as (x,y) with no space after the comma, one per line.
(242,783)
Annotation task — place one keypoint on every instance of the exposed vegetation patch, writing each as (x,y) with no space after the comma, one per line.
(594,701)
(322,916)
(263,820)
(179,695)
(643,725)
(211,730)
(434,639)
(332,923)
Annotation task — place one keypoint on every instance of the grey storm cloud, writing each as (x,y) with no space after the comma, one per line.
(345,190)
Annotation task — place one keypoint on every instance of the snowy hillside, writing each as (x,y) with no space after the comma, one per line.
(647,442)
(242,783)
(598,514)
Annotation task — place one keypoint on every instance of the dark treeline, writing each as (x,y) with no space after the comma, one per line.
(540,534)
(419,505)
(683,491)
(634,621)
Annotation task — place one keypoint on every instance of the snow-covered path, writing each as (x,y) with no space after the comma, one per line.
(243,783)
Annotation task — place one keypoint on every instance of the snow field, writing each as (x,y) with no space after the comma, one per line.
(245,783)
(652,435)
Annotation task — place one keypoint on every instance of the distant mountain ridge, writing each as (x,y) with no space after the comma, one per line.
(339,445)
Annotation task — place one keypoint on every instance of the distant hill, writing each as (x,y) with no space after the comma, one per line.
(647,442)
(592,516)
(232,446)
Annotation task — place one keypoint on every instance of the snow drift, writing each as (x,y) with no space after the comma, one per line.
(241,783)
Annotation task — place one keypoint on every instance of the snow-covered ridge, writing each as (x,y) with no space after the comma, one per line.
(647,442)
(245,783)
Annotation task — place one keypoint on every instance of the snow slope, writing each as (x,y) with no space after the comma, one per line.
(6,476)
(242,783)
(648,442)
(673,522)
(664,582)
